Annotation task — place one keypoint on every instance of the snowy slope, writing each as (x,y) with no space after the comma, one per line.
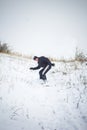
(26,103)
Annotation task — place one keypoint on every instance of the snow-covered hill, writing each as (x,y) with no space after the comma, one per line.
(26,103)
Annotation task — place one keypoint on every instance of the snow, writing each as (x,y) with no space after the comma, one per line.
(26,103)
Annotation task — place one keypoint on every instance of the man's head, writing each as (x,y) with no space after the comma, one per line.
(35,58)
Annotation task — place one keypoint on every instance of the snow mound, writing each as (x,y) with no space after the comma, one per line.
(26,103)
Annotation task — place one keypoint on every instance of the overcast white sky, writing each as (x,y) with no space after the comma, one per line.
(44,27)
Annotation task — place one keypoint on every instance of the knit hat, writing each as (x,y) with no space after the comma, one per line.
(35,57)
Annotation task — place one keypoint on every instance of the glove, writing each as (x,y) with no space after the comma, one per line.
(53,64)
(31,68)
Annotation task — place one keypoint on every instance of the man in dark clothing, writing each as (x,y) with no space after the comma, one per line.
(46,65)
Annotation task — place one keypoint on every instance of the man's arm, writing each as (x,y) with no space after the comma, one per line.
(35,68)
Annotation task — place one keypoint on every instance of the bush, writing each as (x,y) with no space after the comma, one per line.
(80,56)
(4,48)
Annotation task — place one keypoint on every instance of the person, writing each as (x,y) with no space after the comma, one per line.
(46,65)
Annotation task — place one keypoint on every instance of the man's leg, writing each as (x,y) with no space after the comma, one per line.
(40,73)
(42,76)
(46,69)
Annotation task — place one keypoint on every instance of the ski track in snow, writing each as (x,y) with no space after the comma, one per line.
(26,103)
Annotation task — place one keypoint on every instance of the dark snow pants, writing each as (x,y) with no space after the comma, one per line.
(43,72)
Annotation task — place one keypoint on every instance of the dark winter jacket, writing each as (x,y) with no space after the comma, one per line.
(43,62)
